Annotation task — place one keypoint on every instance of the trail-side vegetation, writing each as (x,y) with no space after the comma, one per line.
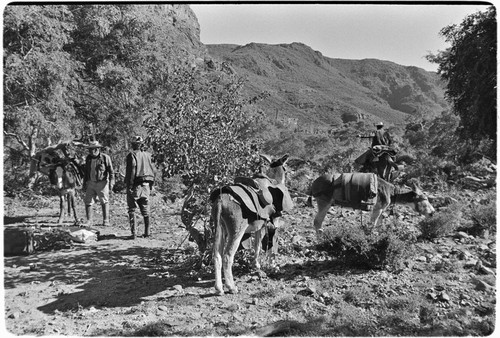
(74,71)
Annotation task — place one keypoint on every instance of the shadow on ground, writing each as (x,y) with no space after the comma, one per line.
(104,276)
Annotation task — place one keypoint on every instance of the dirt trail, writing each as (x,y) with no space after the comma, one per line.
(118,286)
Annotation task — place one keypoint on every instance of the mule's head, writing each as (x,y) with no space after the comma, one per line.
(277,169)
(56,175)
(61,178)
(421,202)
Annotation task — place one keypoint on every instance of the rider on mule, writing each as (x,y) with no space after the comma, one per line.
(381,153)
(381,136)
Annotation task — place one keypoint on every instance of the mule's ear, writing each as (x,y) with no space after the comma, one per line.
(414,185)
(266,158)
(283,159)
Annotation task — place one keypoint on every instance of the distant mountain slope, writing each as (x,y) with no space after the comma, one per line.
(315,89)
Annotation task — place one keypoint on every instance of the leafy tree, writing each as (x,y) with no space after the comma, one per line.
(200,129)
(129,52)
(470,68)
(38,76)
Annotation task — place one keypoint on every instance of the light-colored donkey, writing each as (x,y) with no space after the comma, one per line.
(233,217)
(327,189)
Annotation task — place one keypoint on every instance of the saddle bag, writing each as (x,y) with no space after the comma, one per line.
(359,190)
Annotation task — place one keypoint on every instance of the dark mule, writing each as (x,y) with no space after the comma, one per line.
(383,161)
(59,163)
(246,207)
(66,178)
(327,190)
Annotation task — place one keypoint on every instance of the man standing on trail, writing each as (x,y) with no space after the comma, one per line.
(139,178)
(98,180)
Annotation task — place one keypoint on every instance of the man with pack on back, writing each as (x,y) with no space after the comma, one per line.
(139,179)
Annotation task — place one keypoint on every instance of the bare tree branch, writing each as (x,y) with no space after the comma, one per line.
(18,139)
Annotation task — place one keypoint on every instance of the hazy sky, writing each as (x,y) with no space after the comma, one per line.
(403,34)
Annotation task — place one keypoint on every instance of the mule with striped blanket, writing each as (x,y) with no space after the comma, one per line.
(364,191)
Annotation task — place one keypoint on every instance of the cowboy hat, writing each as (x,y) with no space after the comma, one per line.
(94,144)
(380,124)
(137,139)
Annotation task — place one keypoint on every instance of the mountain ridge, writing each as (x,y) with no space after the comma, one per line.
(312,88)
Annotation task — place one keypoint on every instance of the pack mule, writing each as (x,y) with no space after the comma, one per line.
(235,211)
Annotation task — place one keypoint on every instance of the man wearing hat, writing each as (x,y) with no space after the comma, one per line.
(99,179)
(381,137)
(383,140)
(139,178)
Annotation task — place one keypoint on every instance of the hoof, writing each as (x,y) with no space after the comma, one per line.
(319,233)
(233,290)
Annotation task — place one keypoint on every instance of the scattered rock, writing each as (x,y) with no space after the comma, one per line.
(233,307)
(177,287)
(444,297)
(485,309)
(309,291)
(483,269)
(470,263)
(432,295)
(15,315)
(483,286)
(421,259)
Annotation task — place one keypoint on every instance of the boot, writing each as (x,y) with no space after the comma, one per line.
(146,226)
(88,214)
(131,219)
(105,214)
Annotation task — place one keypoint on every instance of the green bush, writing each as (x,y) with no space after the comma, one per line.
(483,216)
(300,180)
(442,223)
(359,295)
(355,247)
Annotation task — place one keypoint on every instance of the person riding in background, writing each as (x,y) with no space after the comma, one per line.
(381,137)
(98,180)
(139,179)
(382,150)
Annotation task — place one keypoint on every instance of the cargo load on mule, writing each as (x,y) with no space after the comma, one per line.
(64,170)
(62,154)
(358,190)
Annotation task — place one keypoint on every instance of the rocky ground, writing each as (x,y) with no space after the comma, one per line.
(154,286)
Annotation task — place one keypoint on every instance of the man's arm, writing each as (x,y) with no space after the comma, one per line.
(111,173)
(130,171)
(388,138)
(86,174)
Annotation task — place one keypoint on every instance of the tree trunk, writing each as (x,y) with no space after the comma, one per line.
(191,213)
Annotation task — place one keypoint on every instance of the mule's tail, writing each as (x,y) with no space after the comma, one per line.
(216,214)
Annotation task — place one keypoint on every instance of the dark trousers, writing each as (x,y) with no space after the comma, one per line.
(138,196)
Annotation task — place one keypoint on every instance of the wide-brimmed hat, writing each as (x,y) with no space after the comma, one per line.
(94,144)
(380,124)
(137,139)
